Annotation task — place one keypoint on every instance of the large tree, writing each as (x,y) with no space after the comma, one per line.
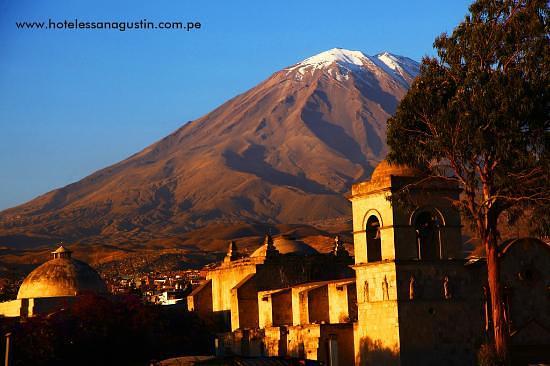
(481,110)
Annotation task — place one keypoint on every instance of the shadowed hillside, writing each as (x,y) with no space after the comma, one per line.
(284,152)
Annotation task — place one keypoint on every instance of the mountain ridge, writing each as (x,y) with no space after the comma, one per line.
(296,140)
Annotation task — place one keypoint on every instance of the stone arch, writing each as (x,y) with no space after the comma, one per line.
(427,222)
(431,209)
(373,238)
(372,212)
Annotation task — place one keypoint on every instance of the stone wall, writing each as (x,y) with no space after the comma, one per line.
(223,280)
(200,299)
(435,323)
(282,308)
(376,335)
(318,305)
(311,341)
(244,304)
(439,332)
(35,306)
(11,308)
(525,276)
(275,308)
(275,341)
(342,301)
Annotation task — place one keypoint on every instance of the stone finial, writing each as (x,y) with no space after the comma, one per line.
(232,252)
(270,248)
(339,249)
(385,289)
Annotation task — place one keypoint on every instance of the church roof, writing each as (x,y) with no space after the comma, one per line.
(381,177)
(61,276)
(286,245)
(386,169)
(523,245)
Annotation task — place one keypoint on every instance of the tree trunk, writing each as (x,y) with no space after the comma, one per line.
(500,328)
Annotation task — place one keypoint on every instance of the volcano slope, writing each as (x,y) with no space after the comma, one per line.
(284,152)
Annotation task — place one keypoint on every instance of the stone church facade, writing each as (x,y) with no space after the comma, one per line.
(407,296)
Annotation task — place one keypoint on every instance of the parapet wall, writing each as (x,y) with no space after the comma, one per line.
(10,309)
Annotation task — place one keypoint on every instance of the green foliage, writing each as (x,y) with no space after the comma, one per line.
(478,116)
(481,109)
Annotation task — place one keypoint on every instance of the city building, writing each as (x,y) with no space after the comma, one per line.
(413,298)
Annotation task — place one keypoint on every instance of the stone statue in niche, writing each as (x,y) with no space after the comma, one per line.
(447,288)
(412,287)
(366,289)
(385,289)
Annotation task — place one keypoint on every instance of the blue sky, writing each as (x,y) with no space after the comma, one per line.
(74,101)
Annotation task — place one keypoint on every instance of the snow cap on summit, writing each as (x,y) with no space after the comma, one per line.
(402,67)
(336,55)
(399,64)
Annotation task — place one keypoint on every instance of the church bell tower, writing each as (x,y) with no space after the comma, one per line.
(410,272)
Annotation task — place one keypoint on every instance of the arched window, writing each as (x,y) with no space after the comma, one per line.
(428,238)
(374,244)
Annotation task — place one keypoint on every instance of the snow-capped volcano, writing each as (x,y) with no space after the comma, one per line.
(342,61)
(325,59)
(285,151)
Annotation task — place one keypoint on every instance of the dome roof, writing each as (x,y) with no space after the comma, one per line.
(385,169)
(286,245)
(61,276)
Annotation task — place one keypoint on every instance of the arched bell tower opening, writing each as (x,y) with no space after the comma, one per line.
(374,243)
(427,225)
